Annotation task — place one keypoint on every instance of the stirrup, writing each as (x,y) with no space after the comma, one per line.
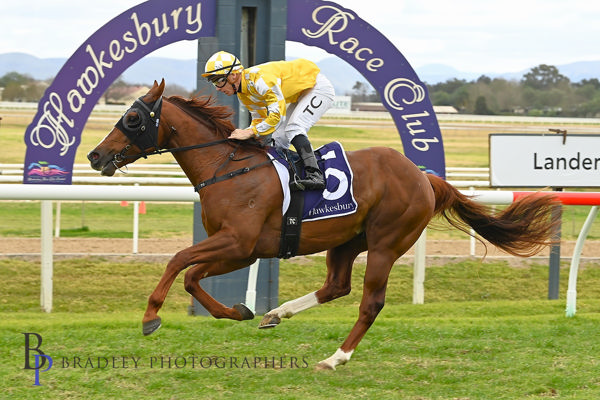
(296,185)
(311,182)
(312,185)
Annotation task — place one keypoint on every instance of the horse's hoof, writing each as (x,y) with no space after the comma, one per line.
(245,311)
(151,326)
(323,366)
(269,321)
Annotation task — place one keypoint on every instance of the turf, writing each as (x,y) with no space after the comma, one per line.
(507,342)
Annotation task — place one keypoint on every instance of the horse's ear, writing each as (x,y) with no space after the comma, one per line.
(157,89)
(161,86)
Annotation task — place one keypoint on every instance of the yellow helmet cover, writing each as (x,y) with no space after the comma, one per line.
(222,63)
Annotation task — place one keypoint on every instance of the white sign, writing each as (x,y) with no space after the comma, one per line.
(341,104)
(542,160)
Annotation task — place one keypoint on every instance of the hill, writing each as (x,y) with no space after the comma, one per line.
(145,71)
(342,75)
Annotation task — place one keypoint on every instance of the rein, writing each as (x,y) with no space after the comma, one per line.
(139,131)
(231,174)
(122,156)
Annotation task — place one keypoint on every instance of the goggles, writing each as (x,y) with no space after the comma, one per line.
(218,80)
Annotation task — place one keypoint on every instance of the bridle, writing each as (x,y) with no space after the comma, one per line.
(143,133)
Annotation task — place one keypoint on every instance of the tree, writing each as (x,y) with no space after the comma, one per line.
(544,77)
(460,98)
(586,90)
(504,96)
(13,92)
(450,93)
(450,86)
(19,87)
(481,107)
(530,97)
(34,91)
(484,79)
(594,82)
(359,92)
(590,108)
(15,78)
(441,98)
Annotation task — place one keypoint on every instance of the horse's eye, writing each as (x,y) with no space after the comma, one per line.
(132,119)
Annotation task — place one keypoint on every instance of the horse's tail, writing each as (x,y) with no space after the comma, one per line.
(522,229)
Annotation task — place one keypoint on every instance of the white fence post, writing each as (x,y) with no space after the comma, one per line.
(472,236)
(46,255)
(57,220)
(419,269)
(136,224)
(572,288)
(251,290)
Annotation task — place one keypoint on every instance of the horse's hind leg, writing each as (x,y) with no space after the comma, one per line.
(386,244)
(378,269)
(337,283)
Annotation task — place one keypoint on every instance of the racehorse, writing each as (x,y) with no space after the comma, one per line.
(241,199)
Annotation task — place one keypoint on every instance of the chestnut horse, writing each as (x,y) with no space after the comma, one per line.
(242,211)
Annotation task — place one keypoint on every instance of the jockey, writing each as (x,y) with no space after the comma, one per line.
(285,99)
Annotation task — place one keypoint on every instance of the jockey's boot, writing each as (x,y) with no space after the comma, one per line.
(314,177)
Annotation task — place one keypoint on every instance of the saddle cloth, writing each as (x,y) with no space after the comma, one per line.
(337,199)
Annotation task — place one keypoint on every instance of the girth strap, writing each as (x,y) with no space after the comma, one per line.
(291,226)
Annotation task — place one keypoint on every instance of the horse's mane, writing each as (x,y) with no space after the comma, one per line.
(204,108)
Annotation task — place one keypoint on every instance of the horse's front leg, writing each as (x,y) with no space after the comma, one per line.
(221,250)
(238,312)
(151,321)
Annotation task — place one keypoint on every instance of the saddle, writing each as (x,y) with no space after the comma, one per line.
(335,200)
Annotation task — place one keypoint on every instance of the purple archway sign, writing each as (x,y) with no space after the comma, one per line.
(341,32)
(55,133)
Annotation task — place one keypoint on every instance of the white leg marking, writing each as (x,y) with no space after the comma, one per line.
(293,307)
(338,358)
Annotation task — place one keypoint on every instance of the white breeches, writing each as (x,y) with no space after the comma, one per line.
(303,114)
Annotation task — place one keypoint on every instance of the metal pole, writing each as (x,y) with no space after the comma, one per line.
(554,267)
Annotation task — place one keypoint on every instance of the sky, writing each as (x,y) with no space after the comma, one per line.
(469,35)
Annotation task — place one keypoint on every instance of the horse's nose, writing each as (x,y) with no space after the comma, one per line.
(95,159)
(93,156)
